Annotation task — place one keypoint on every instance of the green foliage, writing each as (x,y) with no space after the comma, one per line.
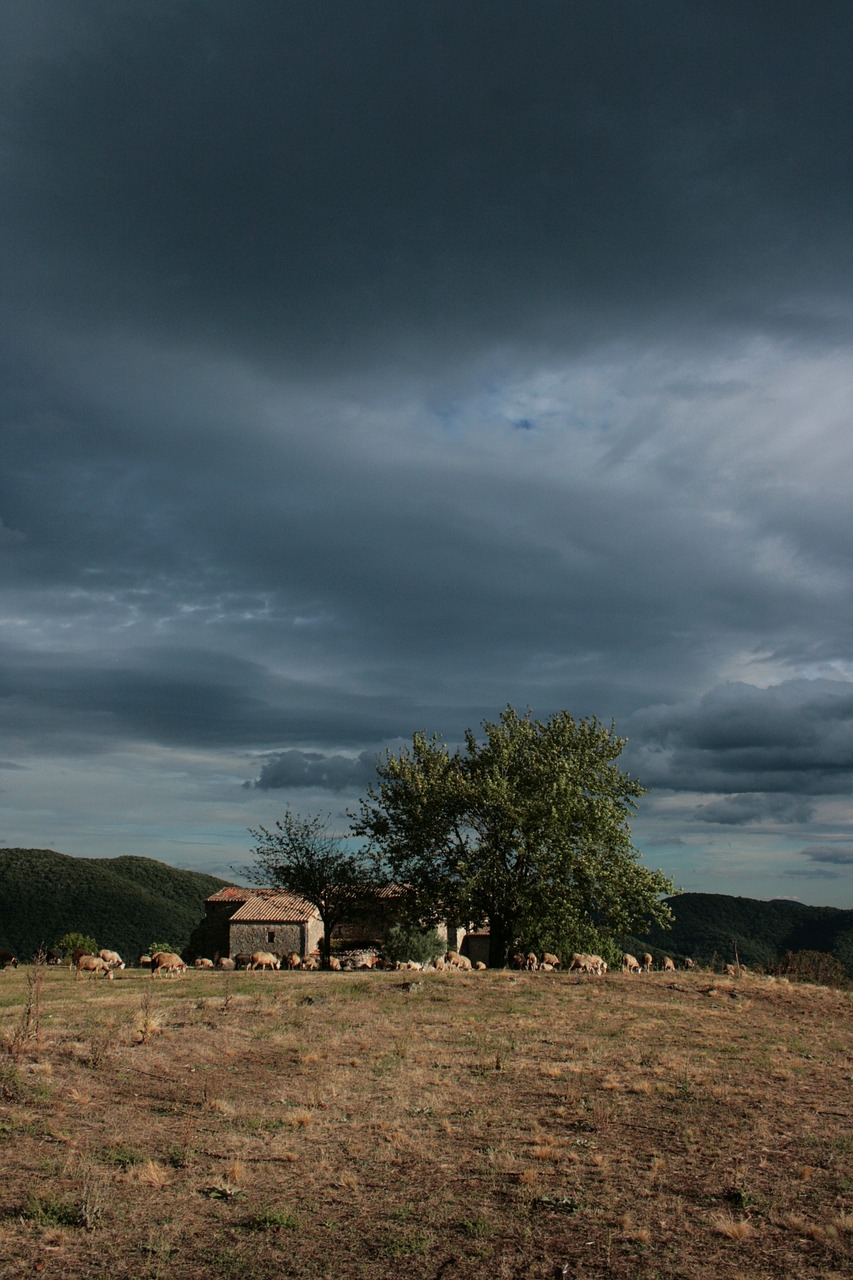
(813,966)
(300,856)
(50,1210)
(408,942)
(706,925)
(121,901)
(272,1220)
(526,830)
(70,942)
(161,946)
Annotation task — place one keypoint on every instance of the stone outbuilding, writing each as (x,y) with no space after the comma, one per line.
(281,923)
(239,919)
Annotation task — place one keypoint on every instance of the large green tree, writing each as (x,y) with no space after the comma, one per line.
(302,857)
(526,830)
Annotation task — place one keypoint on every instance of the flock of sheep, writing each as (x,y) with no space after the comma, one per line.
(169,964)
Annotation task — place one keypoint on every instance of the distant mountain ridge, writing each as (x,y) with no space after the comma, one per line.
(759,933)
(125,903)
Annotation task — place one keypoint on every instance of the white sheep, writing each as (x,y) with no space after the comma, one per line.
(112,958)
(167,962)
(630,964)
(93,965)
(264,960)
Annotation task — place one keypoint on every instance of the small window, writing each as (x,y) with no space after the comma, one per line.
(270,935)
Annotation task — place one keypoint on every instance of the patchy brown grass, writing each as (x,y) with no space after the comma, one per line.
(483,1125)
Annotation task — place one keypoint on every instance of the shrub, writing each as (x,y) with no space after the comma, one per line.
(405,942)
(76,942)
(813,966)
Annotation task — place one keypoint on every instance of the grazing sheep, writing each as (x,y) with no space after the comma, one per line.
(544,967)
(689,964)
(144,962)
(93,965)
(8,959)
(112,958)
(311,963)
(518,960)
(648,962)
(552,960)
(630,964)
(596,965)
(531,963)
(264,960)
(334,963)
(480,965)
(731,971)
(668,965)
(293,961)
(456,961)
(167,962)
(242,960)
(439,964)
(202,963)
(226,963)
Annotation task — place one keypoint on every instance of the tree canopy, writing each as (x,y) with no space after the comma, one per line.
(302,857)
(526,830)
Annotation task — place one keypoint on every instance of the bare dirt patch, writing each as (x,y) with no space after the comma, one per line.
(489,1125)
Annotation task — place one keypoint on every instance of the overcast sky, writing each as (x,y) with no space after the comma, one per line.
(368,367)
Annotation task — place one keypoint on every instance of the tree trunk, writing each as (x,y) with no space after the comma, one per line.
(326,946)
(499,942)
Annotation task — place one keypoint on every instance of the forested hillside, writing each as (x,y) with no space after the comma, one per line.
(124,903)
(713,924)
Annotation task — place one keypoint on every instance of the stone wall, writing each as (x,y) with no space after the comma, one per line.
(249,937)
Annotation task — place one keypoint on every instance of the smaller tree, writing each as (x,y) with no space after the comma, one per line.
(301,857)
(71,942)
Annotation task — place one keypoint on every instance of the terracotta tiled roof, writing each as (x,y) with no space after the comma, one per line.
(234,894)
(389,892)
(281,908)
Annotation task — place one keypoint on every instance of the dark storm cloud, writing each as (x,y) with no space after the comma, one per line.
(838,855)
(737,810)
(312,770)
(795,737)
(174,697)
(307,178)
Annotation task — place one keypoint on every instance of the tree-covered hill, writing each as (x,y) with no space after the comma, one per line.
(124,903)
(758,933)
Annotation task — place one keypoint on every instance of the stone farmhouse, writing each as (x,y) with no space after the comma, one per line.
(245,920)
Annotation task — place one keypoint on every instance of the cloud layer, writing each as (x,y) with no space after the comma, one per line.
(370,368)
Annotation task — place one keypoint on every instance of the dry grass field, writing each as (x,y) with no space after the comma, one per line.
(444,1126)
